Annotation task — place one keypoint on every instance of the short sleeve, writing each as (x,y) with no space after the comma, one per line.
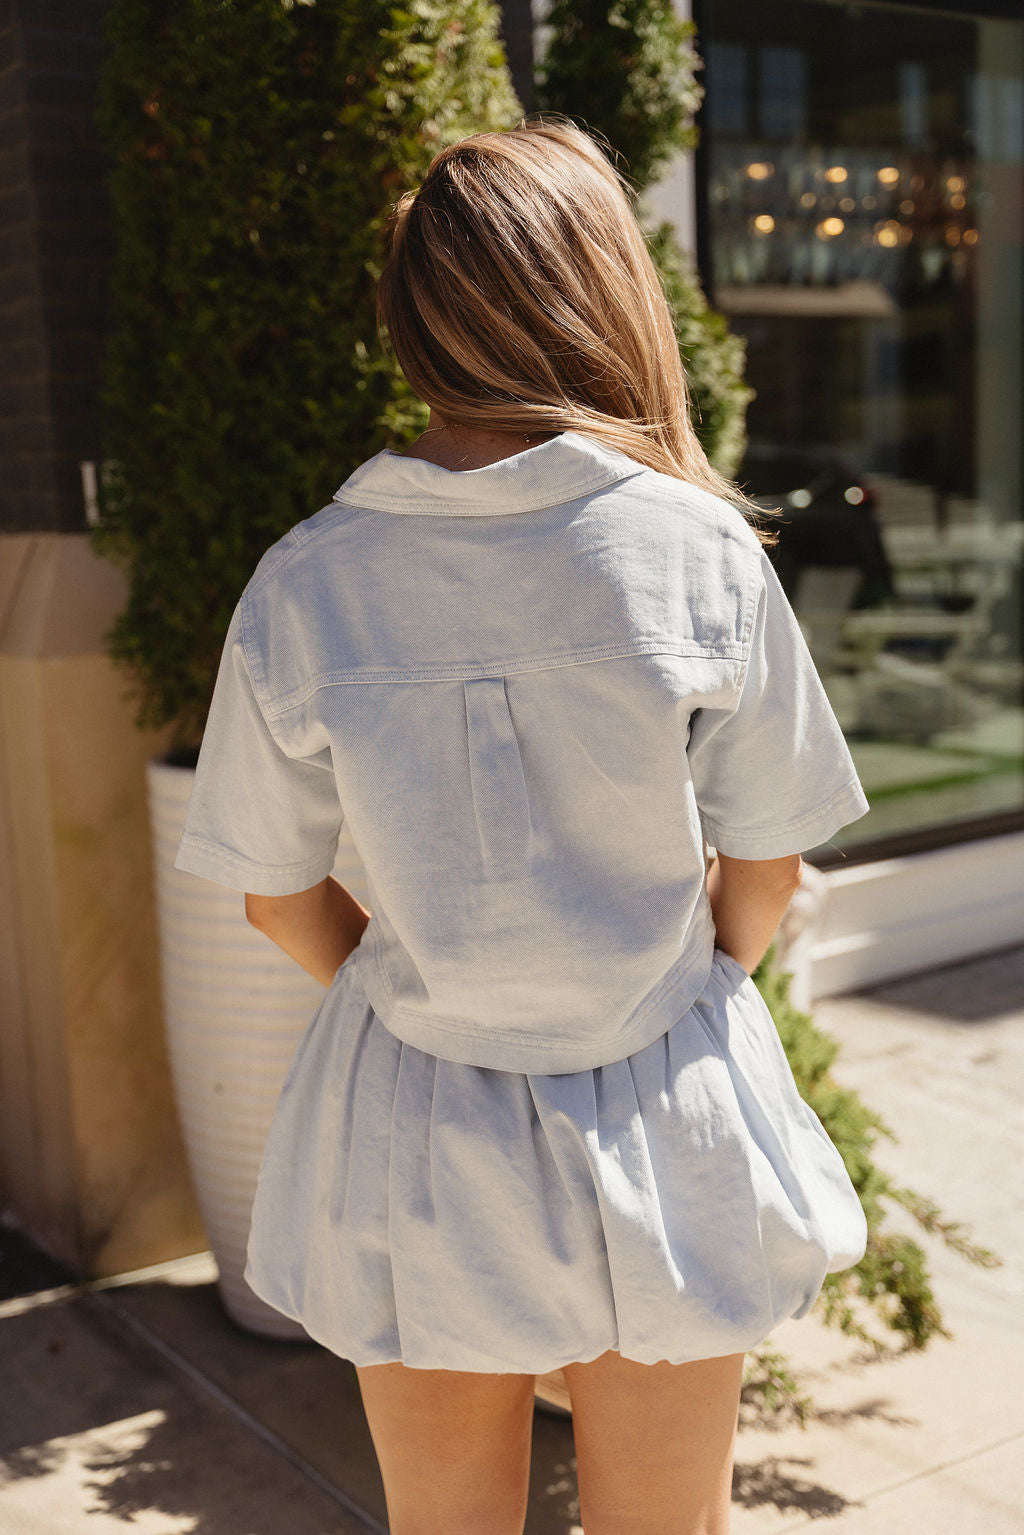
(258,819)
(771,772)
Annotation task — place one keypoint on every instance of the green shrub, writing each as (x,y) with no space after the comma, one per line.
(627,71)
(891,1282)
(257,147)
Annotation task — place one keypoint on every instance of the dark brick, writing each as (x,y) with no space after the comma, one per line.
(76,355)
(15,205)
(19,358)
(68,486)
(54,257)
(19,279)
(17,247)
(16,496)
(64,15)
(15,176)
(19,323)
(73,255)
(14,134)
(65,163)
(13,94)
(13,399)
(34,435)
(78,436)
(53,52)
(10,48)
(63,203)
(72,401)
(73,96)
(29,501)
(64,311)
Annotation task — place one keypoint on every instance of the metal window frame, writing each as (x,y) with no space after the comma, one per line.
(952,833)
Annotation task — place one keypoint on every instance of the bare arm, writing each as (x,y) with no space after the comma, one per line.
(318,927)
(748,899)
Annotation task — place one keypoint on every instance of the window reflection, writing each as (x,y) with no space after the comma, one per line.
(864,214)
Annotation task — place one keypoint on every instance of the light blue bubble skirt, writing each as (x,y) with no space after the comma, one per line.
(677,1204)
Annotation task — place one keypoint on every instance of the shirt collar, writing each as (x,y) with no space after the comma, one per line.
(562,469)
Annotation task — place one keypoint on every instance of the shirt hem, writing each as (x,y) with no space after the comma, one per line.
(470,1044)
(225,868)
(849,804)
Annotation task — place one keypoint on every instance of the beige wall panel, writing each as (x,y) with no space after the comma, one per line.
(17,1135)
(93,1153)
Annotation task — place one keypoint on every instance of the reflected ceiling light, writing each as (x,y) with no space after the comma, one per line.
(763,224)
(854,495)
(869,202)
(888,175)
(955,183)
(952,235)
(760,170)
(807,199)
(847,204)
(970,237)
(958,200)
(829,228)
(906,206)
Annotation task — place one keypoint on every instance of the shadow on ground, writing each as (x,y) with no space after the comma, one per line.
(773,1481)
(974,991)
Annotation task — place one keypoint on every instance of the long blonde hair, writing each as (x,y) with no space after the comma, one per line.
(519,294)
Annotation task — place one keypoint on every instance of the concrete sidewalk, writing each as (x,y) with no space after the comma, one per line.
(135,1404)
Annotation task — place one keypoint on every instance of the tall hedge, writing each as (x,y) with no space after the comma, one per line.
(256,148)
(627,69)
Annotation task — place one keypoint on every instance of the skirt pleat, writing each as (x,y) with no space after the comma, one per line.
(675,1205)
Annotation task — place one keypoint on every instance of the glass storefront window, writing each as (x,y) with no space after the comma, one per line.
(863,228)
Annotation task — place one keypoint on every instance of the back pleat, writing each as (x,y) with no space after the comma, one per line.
(497,779)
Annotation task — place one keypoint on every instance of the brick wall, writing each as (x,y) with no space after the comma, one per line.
(54,252)
(55,248)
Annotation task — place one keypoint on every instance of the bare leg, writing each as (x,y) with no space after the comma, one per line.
(654,1444)
(453,1448)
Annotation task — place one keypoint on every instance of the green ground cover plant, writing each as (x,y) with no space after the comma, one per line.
(889,1292)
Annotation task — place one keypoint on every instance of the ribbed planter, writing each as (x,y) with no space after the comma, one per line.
(235,1008)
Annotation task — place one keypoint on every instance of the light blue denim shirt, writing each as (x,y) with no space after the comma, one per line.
(533,691)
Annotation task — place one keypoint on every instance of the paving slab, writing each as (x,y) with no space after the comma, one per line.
(941,1057)
(985,1494)
(98,1432)
(310,1399)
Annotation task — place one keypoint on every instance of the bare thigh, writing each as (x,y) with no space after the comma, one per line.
(453,1448)
(654,1444)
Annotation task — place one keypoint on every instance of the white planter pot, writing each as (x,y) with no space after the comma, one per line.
(235,1008)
